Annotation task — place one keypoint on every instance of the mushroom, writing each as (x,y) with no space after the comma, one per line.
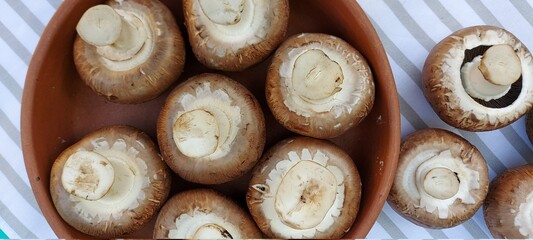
(319,86)
(479,78)
(508,209)
(441,179)
(233,35)
(211,129)
(304,188)
(129,51)
(110,183)
(204,214)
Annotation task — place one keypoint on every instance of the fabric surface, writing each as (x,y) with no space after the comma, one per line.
(408,30)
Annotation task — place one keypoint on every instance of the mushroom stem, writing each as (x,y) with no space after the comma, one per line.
(116,36)
(196,133)
(211,231)
(500,65)
(441,183)
(477,86)
(87,175)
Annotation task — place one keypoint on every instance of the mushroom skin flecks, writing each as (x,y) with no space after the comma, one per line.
(454,89)
(319,86)
(441,179)
(508,209)
(233,35)
(140,182)
(129,51)
(304,193)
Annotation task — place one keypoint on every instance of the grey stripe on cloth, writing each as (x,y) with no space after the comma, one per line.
(55,3)
(483,12)
(475,230)
(14,44)
(27,15)
(436,234)
(518,143)
(17,182)
(10,129)
(390,227)
(525,10)
(444,15)
(10,84)
(410,24)
(14,223)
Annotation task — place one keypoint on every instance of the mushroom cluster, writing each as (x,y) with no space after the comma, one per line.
(319,86)
(441,179)
(110,183)
(129,51)
(211,129)
(508,209)
(304,188)
(479,78)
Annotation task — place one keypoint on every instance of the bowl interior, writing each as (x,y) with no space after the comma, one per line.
(58,109)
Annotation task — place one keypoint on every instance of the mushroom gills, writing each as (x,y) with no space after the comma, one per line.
(482,94)
(200,224)
(305,195)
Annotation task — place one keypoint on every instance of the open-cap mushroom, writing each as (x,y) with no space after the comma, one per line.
(129,51)
(319,86)
(204,214)
(211,129)
(508,209)
(110,183)
(232,35)
(441,179)
(304,188)
(479,78)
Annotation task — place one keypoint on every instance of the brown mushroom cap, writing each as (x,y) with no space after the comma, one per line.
(330,90)
(234,35)
(186,213)
(446,89)
(304,188)
(152,68)
(211,129)
(423,191)
(136,160)
(508,208)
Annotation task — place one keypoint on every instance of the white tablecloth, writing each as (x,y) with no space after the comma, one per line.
(408,30)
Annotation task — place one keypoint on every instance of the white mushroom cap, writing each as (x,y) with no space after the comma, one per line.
(319,86)
(304,188)
(452,98)
(508,209)
(211,129)
(129,51)
(140,182)
(441,179)
(233,35)
(204,214)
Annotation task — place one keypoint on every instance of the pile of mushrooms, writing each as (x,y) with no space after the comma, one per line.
(211,129)
(304,188)
(233,35)
(319,86)
(110,183)
(441,179)
(129,51)
(204,214)
(508,208)
(479,78)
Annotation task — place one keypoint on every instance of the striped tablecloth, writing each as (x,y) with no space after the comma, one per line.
(408,30)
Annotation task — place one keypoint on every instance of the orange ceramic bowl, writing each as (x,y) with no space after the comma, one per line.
(58,109)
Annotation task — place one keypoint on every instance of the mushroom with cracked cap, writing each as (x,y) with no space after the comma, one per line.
(319,86)
(304,188)
(211,129)
(441,179)
(508,208)
(129,51)
(204,214)
(110,183)
(232,35)
(479,78)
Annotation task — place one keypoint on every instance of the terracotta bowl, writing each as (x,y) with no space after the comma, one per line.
(58,108)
